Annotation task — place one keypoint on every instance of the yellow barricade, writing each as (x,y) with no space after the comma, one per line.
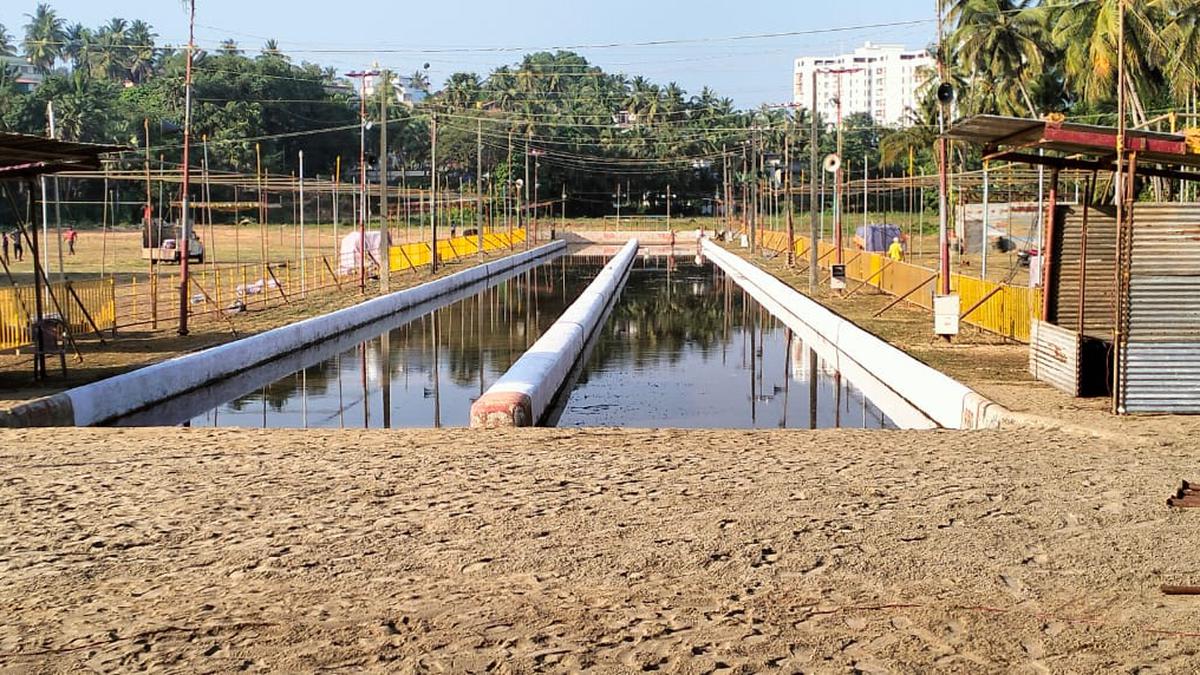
(17,306)
(411,256)
(1007,311)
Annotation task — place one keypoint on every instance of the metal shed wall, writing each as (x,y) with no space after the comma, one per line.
(1054,356)
(1100,275)
(1162,354)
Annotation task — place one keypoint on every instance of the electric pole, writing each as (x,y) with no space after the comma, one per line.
(385,232)
(362,173)
(185,229)
(814,167)
(787,182)
(943,158)
(479,186)
(433,189)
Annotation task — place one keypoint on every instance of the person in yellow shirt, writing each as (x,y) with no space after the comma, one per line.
(896,251)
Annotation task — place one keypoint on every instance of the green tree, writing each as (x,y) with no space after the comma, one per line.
(6,42)
(999,44)
(44,37)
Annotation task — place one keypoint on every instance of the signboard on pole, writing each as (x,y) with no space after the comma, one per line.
(945,314)
(837,281)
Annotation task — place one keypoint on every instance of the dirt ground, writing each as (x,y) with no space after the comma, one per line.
(608,551)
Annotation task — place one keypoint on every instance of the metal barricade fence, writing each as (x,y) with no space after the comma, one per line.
(1005,310)
(86,306)
(143,300)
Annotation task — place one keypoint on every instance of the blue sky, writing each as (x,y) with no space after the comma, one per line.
(405,35)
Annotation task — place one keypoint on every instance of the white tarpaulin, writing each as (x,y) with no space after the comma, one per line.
(351,251)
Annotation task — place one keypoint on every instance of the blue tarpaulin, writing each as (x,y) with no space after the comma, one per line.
(876,237)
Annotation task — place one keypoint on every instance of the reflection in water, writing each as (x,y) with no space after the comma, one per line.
(425,373)
(686,347)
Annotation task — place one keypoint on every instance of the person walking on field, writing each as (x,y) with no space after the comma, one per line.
(70,236)
(4,236)
(18,248)
(896,251)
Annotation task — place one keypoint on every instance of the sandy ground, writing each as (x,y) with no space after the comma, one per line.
(604,550)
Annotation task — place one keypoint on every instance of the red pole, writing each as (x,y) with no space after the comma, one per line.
(184,230)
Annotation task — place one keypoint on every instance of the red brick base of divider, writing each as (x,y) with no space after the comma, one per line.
(502,410)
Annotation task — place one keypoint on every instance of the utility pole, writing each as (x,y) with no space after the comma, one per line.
(385,230)
(943,158)
(537,163)
(303,278)
(185,226)
(837,179)
(362,76)
(787,182)
(148,238)
(524,191)
(668,208)
(62,275)
(753,190)
(479,187)
(433,191)
(814,215)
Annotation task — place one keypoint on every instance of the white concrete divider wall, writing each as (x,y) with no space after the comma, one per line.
(523,394)
(943,399)
(108,399)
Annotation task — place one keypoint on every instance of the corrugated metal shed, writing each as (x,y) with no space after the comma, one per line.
(1069,138)
(1099,278)
(1162,368)
(1054,356)
(24,155)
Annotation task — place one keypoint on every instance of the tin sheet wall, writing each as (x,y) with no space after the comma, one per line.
(1162,356)
(1098,277)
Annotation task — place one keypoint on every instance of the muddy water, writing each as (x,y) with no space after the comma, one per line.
(682,346)
(685,347)
(425,372)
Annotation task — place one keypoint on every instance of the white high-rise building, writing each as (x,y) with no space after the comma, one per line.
(882,80)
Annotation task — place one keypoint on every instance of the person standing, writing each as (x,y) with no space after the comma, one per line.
(18,247)
(4,237)
(896,251)
(70,235)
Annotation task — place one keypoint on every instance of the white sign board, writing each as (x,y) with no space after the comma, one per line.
(945,314)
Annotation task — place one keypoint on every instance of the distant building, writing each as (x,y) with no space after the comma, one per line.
(883,80)
(28,76)
(403,90)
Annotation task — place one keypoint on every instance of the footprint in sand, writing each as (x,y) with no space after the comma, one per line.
(477,566)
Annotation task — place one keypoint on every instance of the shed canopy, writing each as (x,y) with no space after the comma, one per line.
(23,155)
(1078,146)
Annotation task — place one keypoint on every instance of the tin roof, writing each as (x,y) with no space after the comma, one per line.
(24,155)
(1082,146)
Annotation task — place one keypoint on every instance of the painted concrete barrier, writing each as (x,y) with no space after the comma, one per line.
(523,394)
(115,397)
(848,347)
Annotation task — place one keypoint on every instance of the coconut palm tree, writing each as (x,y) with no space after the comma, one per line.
(44,37)
(140,56)
(1087,34)
(1000,45)
(79,42)
(6,43)
(1182,36)
(230,47)
(420,81)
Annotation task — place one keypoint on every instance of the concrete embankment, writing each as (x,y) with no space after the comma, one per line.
(115,397)
(523,394)
(851,349)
